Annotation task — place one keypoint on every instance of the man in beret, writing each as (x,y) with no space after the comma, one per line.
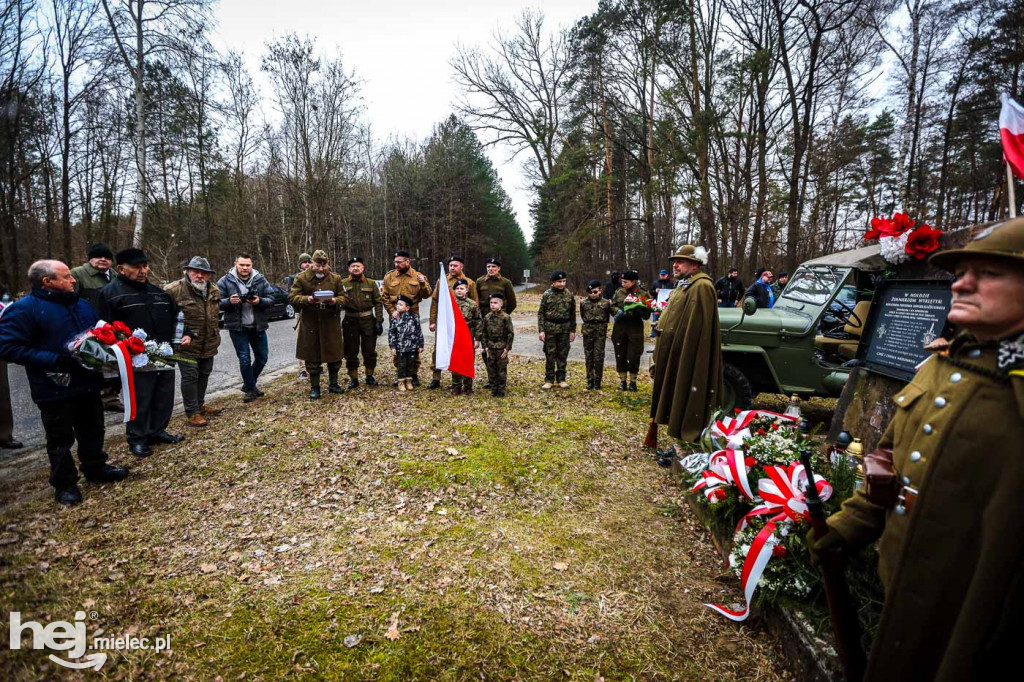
(132,299)
(404,280)
(90,277)
(687,353)
(493,282)
(305,260)
(318,295)
(456,271)
(363,323)
(556,320)
(628,330)
(200,299)
(950,550)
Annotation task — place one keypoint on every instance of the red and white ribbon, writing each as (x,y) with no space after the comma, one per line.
(127,373)
(783,495)
(726,467)
(729,432)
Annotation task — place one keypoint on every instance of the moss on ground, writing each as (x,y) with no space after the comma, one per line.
(528,537)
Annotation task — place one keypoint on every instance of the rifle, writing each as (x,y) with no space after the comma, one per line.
(845,622)
(651,440)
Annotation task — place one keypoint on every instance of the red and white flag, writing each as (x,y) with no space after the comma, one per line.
(1011,130)
(453,341)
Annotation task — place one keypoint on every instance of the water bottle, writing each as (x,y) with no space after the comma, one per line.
(179,328)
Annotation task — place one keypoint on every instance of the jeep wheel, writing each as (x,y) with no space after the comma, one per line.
(737,389)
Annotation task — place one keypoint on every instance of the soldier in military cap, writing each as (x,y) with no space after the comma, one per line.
(305,260)
(363,323)
(556,320)
(496,335)
(320,340)
(948,523)
(456,267)
(595,311)
(628,330)
(404,280)
(492,282)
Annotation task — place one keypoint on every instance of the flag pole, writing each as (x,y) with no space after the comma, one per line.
(1011,195)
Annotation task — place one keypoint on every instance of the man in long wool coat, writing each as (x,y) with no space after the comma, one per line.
(320,295)
(688,353)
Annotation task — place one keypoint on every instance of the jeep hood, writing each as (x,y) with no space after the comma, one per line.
(769,322)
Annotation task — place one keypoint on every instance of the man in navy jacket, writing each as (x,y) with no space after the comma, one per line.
(34,332)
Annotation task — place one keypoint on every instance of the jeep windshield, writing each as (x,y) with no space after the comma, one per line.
(813,286)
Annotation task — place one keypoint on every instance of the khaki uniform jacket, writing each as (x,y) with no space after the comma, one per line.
(89,281)
(201,317)
(404,283)
(451,286)
(485,286)
(364,299)
(953,566)
(319,338)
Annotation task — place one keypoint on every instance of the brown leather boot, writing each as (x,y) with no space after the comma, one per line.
(209,411)
(197,420)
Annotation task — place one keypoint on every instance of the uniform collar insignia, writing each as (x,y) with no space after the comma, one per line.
(1011,353)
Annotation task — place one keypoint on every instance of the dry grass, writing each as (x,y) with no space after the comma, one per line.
(520,538)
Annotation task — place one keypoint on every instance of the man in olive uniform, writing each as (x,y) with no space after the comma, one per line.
(496,335)
(556,320)
(305,260)
(320,341)
(950,549)
(405,281)
(456,271)
(494,282)
(199,299)
(687,353)
(90,277)
(363,323)
(628,330)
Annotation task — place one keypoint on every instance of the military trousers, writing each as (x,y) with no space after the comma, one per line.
(593,351)
(406,364)
(628,341)
(459,381)
(556,353)
(315,369)
(359,334)
(497,368)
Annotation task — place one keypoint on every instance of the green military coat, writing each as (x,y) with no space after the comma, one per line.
(89,281)
(953,565)
(202,317)
(487,285)
(557,312)
(319,337)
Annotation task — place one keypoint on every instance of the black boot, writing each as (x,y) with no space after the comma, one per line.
(69,496)
(314,387)
(434,383)
(590,384)
(353,383)
(622,386)
(416,382)
(632,386)
(332,383)
(106,474)
(370,381)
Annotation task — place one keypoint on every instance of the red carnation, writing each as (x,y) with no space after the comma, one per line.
(779,551)
(879,226)
(760,432)
(923,241)
(749,461)
(775,426)
(737,410)
(121,329)
(718,494)
(136,345)
(104,335)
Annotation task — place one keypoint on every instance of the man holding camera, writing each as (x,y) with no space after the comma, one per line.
(245,298)
(319,295)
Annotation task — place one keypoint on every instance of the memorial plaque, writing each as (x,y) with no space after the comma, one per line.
(905,316)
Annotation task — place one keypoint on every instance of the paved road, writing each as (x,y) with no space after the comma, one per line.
(281,338)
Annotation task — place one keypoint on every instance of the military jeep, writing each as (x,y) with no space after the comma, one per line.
(805,343)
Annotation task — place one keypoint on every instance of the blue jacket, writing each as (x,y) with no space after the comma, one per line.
(35,331)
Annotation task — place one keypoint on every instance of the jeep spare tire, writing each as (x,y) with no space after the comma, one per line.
(736,388)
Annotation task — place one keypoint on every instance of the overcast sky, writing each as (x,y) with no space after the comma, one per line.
(400,49)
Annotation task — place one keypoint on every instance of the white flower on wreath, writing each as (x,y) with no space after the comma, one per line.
(165,349)
(140,334)
(894,249)
(140,360)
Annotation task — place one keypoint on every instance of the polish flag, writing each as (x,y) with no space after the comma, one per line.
(1011,130)
(452,340)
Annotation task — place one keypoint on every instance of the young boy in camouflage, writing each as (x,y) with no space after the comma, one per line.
(496,335)
(556,321)
(406,341)
(471,313)
(595,311)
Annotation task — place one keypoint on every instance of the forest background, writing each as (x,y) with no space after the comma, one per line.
(768,130)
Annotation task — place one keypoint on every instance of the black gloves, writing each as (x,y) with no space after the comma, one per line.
(379,327)
(66,363)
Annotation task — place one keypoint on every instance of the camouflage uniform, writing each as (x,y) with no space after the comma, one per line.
(496,335)
(628,334)
(363,314)
(471,313)
(556,319)
(595,316)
